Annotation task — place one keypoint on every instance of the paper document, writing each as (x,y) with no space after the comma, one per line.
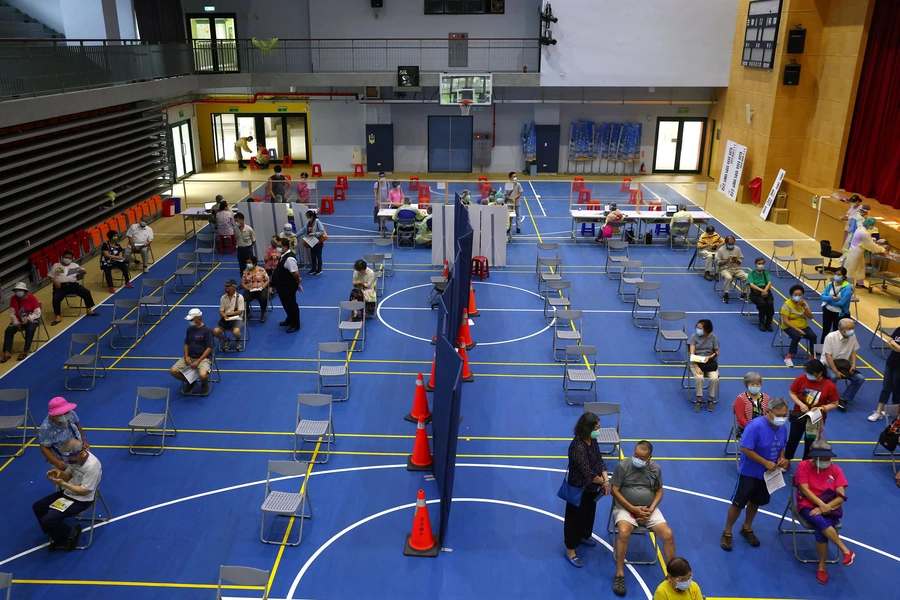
(191,374)
(310,240)
(235,318)
(62,504)
(310,185)
(774,480)
(815,415)
(698,359)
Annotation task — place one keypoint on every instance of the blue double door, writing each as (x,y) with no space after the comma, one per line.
(450,144)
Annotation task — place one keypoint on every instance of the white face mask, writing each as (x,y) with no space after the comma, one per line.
(20,293)
(797,299)
(822,463)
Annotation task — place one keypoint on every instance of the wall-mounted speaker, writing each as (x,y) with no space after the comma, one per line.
(796,41)
(377,3)
(791,74)
(497,7)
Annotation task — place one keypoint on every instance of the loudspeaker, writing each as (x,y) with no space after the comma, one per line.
(377,3)
(796,41)
(791,74)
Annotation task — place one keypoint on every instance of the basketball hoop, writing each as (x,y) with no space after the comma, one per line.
(465,106)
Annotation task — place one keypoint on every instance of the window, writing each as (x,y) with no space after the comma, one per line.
(463,7)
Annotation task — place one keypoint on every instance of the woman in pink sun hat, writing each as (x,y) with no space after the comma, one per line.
(60,425)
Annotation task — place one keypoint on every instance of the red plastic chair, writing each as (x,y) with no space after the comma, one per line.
(358,171)
(413,183)
(85,240)
(96,236)
(287,162)
(103,228)
(626,184)
(52,254)
(584,196)
(122,222)
(342,181)
(339,193)
(424,195)
(327,207)
(636,196)
(74,245)
(60,246)
(578,184)
(480,268)
(253,163)
(40,267)
(316,170)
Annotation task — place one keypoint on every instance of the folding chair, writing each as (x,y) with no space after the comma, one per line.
(439,285)
(632,273)
(122,318)
(78,279)
(244,577)
(720,285)
(239,345)
(748,309)
(406,233)
(340,371)
(587,373)
(667,333)
(854,302)
(558,296)
(16,420)
(215,376)
(646,302)
(6,584)
(811,274)
(94,518)
(386,245)
(545,250)
(679,234)
(783,251)
(613,529)
(286,504)
(205,246)
(890,414)
(149,297)
(567,329)
(735,439)
(687,382)
(609,436)
(549,269)
(376,261)
(883,313)
(187,267)
(799,526)
(88,359)
(152,423)
(779,341)
(356,329)
(616,252)
(315,432)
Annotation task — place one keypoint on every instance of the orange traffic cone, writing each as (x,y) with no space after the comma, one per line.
(421,542)
(446,271)
(473,310)
(420,404)
(429,387)
(434,339)
(466,374)
(465,336)
(420,459)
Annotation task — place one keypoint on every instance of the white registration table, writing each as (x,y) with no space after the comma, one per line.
(645,218)
(194,214)
(387,214)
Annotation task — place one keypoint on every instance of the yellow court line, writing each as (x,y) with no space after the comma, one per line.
(150,584)
(17,454)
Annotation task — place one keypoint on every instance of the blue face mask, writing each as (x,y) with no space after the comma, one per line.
(66,261)
(849,333)
(754,389)
(640,464)
(811,377)
(700,331)
(249,266)
(729,246)
(838,278)
(684,585)
(779,421)
(760,267)
(797,299)
(595,434)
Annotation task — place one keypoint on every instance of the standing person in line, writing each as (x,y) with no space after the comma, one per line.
(113,257)
(795,315)
(890,386)
(809,391)
(679,583)
(835,302)
(314,228)
(395,196)
(703,343)
(303,188)
(245,239)
(286,281)
(760,283)
(278,186)
(850,216)
(241,146)
(382,189)
(861,243)
(587,471)
(513,194)
(762,450)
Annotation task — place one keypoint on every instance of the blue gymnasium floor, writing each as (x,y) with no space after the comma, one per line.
(179,516)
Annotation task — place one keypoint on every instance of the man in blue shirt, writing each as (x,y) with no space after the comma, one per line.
(762,450)
(198,348)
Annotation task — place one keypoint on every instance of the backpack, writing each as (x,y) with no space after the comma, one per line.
(629,235)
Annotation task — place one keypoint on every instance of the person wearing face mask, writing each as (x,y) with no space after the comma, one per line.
(637,490)
(245,239)
(839,352)
(424,233)
(850,216)
(381,191)
(76,485)
(255,286)
(679,583)
(140,237)
(199,342)
(287,282)
(821,486)
(729,258)
(854,223)
(795,315)
(586,471)
(513,194)
(760,283)
(707,245)
(225,228)
(24,316)
(303,192)
(704,345)
(60,425)
(395,196)
(231,316)
(278,186)
(465,197)
(809,391)
(861,243)
(835,302)
(64,276)
(113,257)
(890,386)
(751,403)
(762,450)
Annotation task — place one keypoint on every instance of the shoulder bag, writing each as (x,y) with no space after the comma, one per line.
(570,493)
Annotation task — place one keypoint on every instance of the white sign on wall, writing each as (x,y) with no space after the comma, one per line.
(764,213)
(732,167)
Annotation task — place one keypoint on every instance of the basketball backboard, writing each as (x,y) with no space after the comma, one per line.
(476,87)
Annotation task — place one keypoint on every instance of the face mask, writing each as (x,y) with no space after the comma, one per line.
(239,223)
(823,463)
(729,246)
(640,464)
(754,389)
(797,299)
(760,267)
(143,224)
(515,178)
(20,293)
(849,333)
(700,331)
(779,421)
(838,278)
(811,377)
(595,434)
(249,266)
(66,261)
(683,585)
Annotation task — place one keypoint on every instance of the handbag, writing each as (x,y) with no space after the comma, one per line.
(570,493)
(629,235)
(606,231)
(827,496)
(889,439)
(324,234)
(709,366)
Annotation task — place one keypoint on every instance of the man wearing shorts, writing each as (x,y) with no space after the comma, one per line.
(231,315)
(637,489)
(198,346)
(762,450)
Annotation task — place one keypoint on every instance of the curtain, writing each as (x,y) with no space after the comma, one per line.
(872,163)
(160,21)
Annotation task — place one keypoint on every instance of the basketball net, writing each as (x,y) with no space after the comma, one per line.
(464,107)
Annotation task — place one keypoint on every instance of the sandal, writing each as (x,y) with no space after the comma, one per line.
(22,356)
(619,585)
(750,537)
(725,543)
(5,358)
(55,323)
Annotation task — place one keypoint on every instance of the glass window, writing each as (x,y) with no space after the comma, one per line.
(297,138)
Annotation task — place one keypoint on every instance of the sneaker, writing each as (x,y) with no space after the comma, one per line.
(725,298)
(762,327)
(710,406)
(111,290)
(128,284)
(319,272)
(145,270)
(788,361)
(707,276)
(697,405)
(848,558)
(876,416)
(821,576)
(204,389)
(769,328)
(842,404)
(72,542)
(226,345)
(518,230)
(190,387)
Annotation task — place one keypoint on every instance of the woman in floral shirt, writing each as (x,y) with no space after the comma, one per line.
(60,425)
(255,286)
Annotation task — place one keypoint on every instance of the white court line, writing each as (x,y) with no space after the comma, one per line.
(538,198)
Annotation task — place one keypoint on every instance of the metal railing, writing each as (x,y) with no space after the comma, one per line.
(38,67)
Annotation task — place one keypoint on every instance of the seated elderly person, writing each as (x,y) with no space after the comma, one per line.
(24,316)
(707,245)
(363,288)
(820,493)
(424,236)
(729,258)
(681,216)
(795,315)
(703,346)
(140,238)
(751,403)
(614,215)
(255,286)
(198,347)
(64,276)
(408,212)
(839,355)
(231,315)
(60,426)
(77,484)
